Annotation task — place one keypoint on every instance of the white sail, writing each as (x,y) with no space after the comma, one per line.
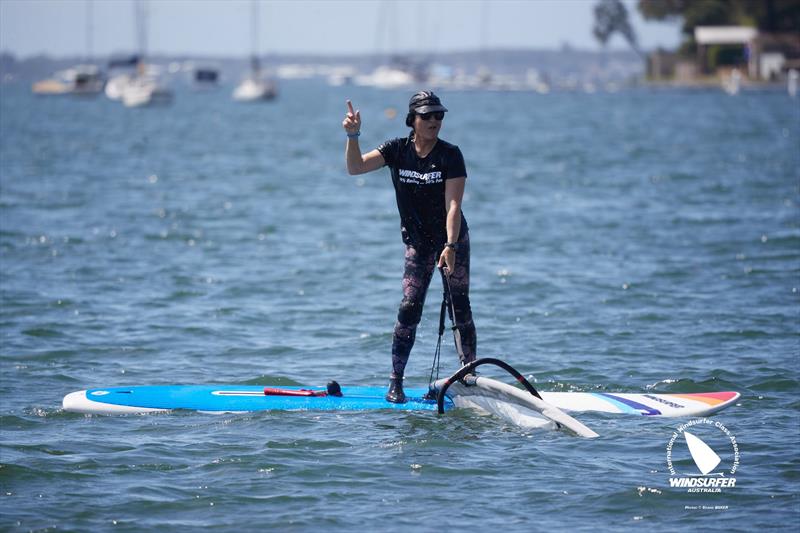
(515,405)
(704,457)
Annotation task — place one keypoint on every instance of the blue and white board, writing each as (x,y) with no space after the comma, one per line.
(234,398)
(242,398)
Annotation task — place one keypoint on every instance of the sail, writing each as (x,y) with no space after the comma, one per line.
(515,405)
(704,457)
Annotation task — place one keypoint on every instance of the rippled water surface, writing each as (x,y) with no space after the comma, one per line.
(639,241)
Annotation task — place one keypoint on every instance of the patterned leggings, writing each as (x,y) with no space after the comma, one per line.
(419,267)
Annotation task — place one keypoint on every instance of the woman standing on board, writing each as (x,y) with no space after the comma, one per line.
(429,175)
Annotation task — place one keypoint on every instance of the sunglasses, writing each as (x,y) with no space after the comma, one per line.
(438,115)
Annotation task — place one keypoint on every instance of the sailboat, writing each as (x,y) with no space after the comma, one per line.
(81,80)
(144,88)
(396,71)
(121,72)
(255,87)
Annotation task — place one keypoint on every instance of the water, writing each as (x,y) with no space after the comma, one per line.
(640,241)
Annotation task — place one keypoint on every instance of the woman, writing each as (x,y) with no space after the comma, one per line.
(429,175)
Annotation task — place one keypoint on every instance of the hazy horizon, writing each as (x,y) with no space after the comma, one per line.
(216,28)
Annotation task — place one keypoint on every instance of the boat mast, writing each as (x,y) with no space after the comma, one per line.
(254,62)
(89,32)
(140,15)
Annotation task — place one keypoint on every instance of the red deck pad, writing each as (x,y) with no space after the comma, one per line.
(269,391)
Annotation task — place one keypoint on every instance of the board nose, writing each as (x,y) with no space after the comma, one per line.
(74,401)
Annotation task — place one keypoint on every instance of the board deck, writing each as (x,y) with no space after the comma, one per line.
(234,398)
(243,398)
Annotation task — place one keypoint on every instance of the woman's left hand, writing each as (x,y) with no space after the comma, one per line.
(448,259)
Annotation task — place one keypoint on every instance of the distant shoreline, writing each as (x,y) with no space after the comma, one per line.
(583,65)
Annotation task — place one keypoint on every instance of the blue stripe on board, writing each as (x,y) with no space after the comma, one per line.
(627,406)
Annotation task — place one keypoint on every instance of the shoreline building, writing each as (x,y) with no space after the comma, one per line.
(720,50)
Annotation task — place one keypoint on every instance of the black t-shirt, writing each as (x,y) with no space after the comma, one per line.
(419,188)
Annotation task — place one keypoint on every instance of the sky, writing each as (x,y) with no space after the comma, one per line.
(221,28)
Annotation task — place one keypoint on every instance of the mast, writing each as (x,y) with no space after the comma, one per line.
(89,31)
(254,62)
(484,28)
(140,15)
